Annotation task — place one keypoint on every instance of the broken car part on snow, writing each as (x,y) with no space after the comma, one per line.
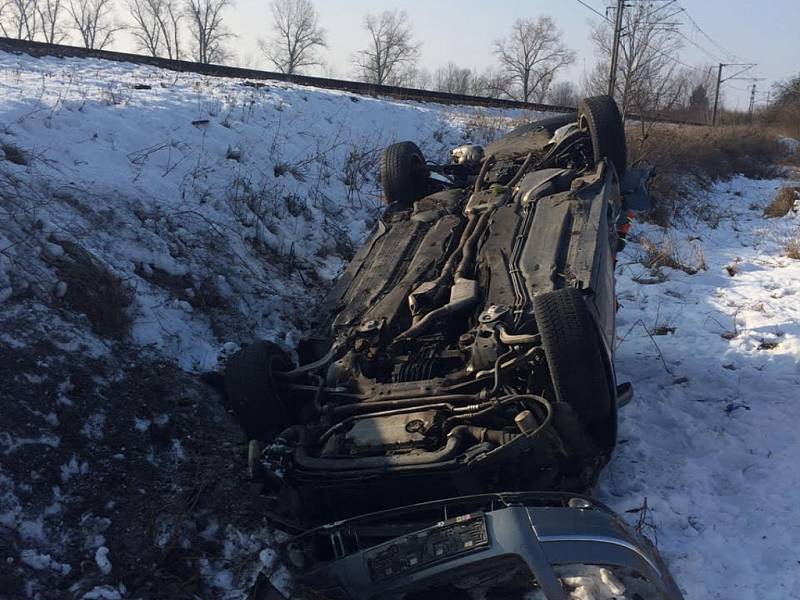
(467,349)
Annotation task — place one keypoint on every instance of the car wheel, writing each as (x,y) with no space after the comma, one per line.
(404,176)
(600,115)
(250,389)
(570,340)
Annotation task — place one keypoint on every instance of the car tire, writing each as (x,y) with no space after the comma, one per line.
(403,173)
(601,116)
(250,390)
(571,345)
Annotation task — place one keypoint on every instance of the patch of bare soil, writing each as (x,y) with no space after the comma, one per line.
(105,446)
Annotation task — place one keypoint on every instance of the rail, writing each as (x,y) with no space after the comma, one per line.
(39,49)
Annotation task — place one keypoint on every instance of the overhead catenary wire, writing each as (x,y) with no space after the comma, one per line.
(676,60)
(708,37)
(656,50)
(716,58)
(591,8)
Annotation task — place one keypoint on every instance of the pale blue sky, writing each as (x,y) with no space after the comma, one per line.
(764,32)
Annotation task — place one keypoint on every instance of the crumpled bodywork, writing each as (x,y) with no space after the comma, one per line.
(521,543)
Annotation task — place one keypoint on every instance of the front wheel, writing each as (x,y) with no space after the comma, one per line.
(403,173)
(251,393)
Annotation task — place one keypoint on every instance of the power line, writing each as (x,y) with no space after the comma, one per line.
(705,51)
(599,14)
(656,50)
(708,37)
(720,81)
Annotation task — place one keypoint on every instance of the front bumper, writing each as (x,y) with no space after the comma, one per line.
(388,554)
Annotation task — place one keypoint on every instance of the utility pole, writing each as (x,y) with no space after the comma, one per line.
(752,102)
(612,74)
(720,81)
(716,96)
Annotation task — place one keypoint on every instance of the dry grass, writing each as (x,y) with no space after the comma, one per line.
(94,291)
(793,249)
(783,202)
(785,119)
(201,294)
(666,253)
(14,154)
(686,156)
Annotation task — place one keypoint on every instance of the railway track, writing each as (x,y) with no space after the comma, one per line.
(356,87)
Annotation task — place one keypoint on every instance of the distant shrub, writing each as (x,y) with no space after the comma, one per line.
(793,249)
(14,154)
(686,156)
(783,202)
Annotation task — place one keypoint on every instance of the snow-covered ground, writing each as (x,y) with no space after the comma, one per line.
(208,197)
(149,221)
(711,439)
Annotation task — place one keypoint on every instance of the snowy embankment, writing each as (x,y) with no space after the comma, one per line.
(219,203)
(151,220)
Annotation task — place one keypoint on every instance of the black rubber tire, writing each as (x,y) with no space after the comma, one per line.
(403,173)
(602,117)
(251,393)
(570,340)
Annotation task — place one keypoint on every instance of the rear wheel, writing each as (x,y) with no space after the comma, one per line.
(600,115)
(250,389)
(570,340)
(404,176)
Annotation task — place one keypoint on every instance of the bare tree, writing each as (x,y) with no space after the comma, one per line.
(207,30)
(50,20)
(296,36)
(169,20)
(391,56)
(563,93)
(156,26)
(416,77)
(94,22)
(648,78)
(145,29)
(453,79)
(531,56)
(19,19)
(490,84)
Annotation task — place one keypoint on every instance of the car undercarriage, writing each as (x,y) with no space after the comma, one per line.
(468,346)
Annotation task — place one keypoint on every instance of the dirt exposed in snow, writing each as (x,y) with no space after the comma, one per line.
(118,469)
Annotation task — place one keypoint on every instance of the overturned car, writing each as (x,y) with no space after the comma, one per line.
(468,347)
